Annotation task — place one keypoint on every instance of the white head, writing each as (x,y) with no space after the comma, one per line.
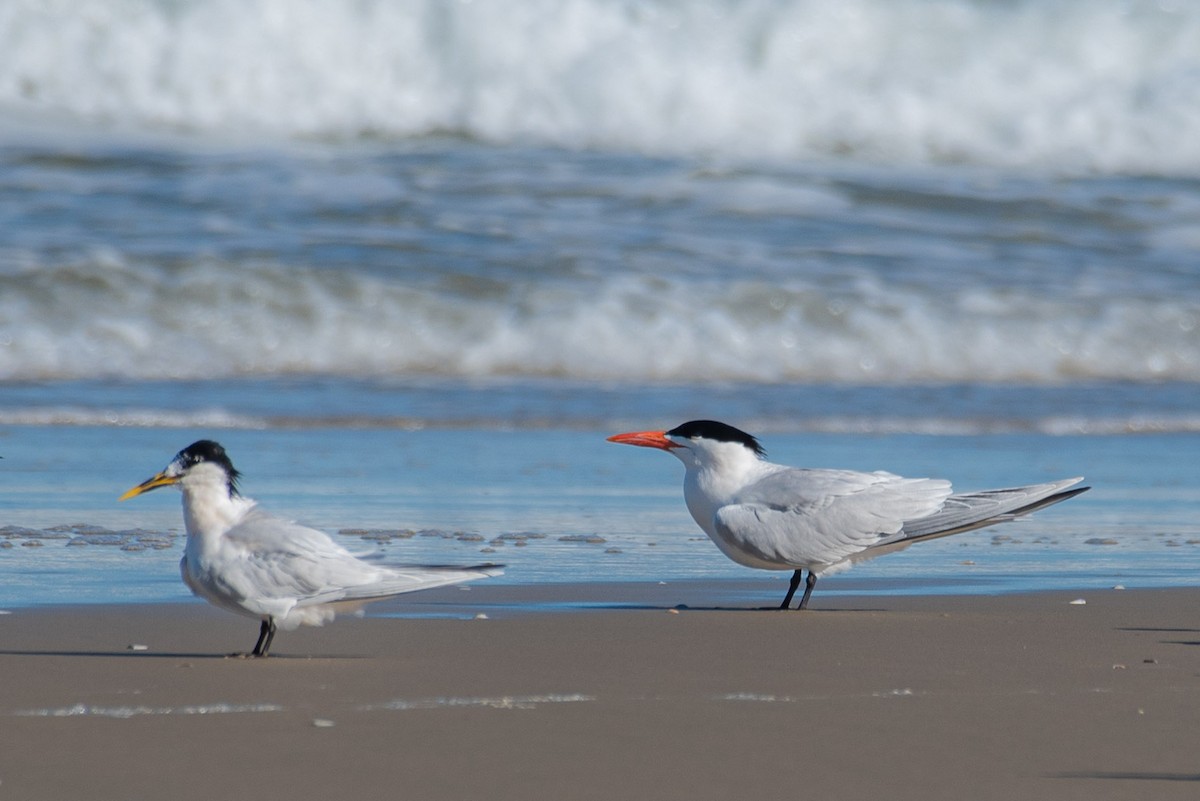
(201,465)
(701,444)
(719,458)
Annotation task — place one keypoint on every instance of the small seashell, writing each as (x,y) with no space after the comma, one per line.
(322,723)
(1077,602)
(672,611)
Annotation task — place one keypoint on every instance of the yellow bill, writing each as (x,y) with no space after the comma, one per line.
(159,480)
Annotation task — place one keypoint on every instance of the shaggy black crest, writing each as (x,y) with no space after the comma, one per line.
(714,430)
(206,450)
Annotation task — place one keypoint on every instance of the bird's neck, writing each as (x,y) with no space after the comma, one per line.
(708,487)
(209,510)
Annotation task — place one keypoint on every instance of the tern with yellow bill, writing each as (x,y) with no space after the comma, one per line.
(244,560)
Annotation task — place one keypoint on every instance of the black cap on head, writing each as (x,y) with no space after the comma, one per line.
(718,431)
(206,450)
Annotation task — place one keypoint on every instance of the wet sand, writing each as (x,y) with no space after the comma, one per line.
(937,697)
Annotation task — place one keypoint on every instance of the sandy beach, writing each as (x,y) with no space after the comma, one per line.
(938,697)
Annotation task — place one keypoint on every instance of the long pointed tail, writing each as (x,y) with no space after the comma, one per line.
(402,579)
(972,510)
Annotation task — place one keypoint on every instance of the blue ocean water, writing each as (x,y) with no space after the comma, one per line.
(412,262)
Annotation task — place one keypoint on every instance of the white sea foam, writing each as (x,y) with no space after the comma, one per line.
(213,320)
(1084,84)
(489,702)
(126,712)
(132,418)
(767,698)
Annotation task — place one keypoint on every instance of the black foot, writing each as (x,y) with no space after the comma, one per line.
(792,585)
(266,633)
(809,583)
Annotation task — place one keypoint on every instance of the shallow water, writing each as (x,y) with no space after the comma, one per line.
(412,263)
(566,506)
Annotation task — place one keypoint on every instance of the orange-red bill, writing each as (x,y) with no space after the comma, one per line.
(645,439)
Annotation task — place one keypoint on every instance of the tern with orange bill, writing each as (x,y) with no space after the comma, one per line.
(774,517)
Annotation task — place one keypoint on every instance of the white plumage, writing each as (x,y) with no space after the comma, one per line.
(774,517)
(244,560)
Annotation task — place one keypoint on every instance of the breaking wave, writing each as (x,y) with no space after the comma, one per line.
(1078,84)
(212,319)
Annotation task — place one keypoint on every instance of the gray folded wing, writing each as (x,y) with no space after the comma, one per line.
(972,510)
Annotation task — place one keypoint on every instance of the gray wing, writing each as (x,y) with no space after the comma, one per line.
(972,510)
(410,578)
(281,559)
(804,518)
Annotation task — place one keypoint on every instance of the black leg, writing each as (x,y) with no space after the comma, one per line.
(808,588)
(795,582)
(266,633)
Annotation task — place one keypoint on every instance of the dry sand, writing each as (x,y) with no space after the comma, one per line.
(1012,697)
